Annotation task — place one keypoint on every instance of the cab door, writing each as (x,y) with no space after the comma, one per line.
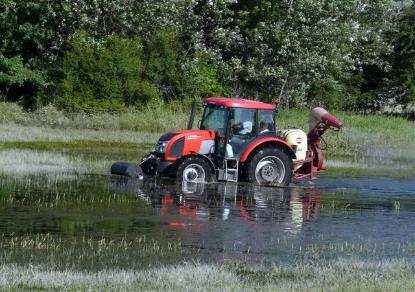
(243,129)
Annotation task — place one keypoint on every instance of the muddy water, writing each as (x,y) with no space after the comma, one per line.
(368,217)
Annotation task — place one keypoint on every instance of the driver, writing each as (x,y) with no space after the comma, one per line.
(242,128)
(263,127)
(241,131)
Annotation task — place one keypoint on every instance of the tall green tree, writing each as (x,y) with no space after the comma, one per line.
(404,57)
(269,49)
(37,32)
(336,53)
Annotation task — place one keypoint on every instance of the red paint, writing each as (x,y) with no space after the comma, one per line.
(314,163)
(192,142)
(167,200)
(259,141)
(243,212)
(177,224)
(239,102)
(187,211)
(311,205)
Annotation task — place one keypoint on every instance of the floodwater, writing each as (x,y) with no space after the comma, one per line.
(368,217)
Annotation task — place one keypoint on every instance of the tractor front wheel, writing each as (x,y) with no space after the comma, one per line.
(270,167)
(194,170)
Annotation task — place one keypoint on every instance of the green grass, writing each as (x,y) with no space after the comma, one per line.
(340,275)
(89,252)
(103,149)
(154,117)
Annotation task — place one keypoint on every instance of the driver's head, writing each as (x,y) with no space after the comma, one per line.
(263,126)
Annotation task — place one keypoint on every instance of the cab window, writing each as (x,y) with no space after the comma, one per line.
(265,121)
(243,122)
(215,118)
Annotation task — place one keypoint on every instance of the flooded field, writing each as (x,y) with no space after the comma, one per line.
(64,222)
(92,222)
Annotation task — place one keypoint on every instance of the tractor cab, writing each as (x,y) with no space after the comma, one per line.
(237,122)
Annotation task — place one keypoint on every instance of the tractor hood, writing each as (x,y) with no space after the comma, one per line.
(187,134)
(181,143)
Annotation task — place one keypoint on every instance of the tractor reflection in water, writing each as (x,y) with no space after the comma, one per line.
(197,203)
(230,217)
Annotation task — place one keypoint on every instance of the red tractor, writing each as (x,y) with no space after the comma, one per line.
(238,140)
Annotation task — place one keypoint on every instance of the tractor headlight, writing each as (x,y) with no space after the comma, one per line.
(160,146)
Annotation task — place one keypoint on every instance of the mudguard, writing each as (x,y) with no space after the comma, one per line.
(269,140)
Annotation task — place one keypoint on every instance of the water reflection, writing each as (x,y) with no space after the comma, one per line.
(227,220)
(222,220)
(192,204)
(232,217)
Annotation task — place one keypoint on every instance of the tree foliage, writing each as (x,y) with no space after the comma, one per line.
(103,75)
(342,54)
(274,48)
(404,57)
(17,82)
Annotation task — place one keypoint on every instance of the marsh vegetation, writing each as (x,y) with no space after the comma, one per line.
(95,232)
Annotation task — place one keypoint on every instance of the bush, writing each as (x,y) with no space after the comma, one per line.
(326,93)
(177,74)
(12,113)
(104,75)
(202,78)
(17,82)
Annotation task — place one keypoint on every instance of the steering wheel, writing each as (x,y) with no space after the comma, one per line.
(235,128)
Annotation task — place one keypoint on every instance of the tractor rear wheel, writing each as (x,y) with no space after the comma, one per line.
(194,169)
(270,167)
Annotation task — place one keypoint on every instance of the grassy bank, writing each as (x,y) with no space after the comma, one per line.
(341,275)
(154,117)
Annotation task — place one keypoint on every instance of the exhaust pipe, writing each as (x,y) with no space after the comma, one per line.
(192,115)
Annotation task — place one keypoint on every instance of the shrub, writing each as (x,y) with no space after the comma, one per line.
(12,113)
(202,79)
(326,93)
(103,75)
(176,73)
(18,82)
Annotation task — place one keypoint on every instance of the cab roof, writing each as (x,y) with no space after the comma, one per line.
(239,102)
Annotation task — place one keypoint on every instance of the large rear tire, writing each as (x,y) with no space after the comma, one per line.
(270,167)
(194,169)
